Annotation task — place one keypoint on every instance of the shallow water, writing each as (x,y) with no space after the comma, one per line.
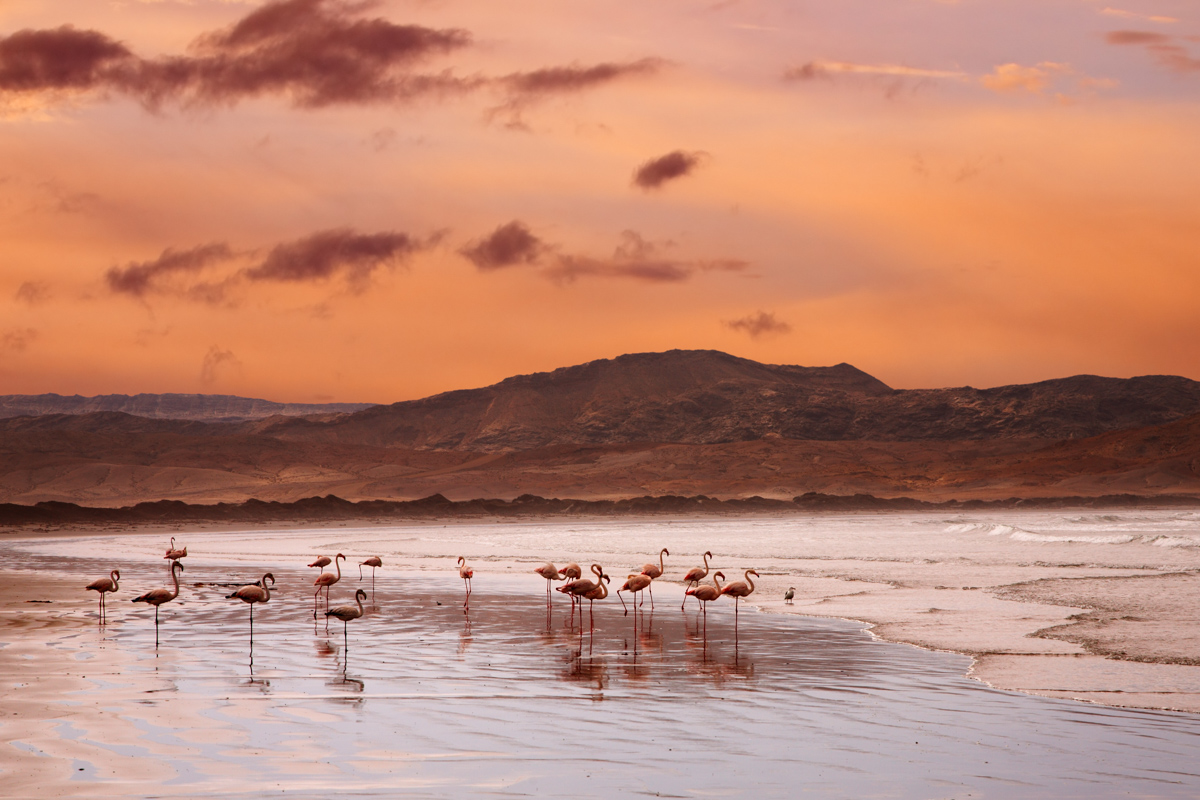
(508,700)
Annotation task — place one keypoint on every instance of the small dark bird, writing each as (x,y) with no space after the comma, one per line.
(789,594)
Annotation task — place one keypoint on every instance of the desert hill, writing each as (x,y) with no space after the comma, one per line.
(206,407)
(682,423)
(708,397)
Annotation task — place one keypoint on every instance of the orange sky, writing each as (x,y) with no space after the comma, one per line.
(312,200)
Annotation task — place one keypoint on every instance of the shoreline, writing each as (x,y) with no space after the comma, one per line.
(1117,634)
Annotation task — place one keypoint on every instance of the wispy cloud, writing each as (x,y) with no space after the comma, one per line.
(1119,12)
(759,325)
(508,245)
(1166,49)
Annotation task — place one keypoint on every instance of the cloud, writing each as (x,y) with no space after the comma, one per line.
(314,52)
(32,293)
(508,245)
(325,254)
(15,340)
(657,171)
(638,259)
(1118,12)
(1136,37)
(137,278)
(828,69)
(1174,57)
(215,361)
(321,256)
(526,88)
(759,325)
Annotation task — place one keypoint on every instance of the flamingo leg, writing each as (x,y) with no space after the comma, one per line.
(156,627)
(622,599)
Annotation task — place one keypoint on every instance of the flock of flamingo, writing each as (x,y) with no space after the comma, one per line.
(577,588)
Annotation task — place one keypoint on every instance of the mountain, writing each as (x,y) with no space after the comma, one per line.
(706,397)
(202,407)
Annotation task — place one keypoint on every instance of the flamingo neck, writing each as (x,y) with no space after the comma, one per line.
(706,562)
(749,580)
(175,575)
(661,566)
(114,576)
(266,589)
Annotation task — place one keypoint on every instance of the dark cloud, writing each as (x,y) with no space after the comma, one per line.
(638,259)
(759,325)
(657,171)
(315,52)
(137,278)
(506,246)
(1174,57)
(329,253)
(806,72)
(59,59)
(1136,37)
(215,360)
(32,293)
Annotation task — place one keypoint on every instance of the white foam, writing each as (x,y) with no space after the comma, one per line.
(1027,536)
(1174,541)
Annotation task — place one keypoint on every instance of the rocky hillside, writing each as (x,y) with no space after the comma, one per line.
(704,397)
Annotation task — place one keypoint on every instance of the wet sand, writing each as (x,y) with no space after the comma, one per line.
(506,701)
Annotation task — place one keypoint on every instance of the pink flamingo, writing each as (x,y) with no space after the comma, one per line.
(102,585)
(173,554)
(347,613)
(739,589)
(466,574)
(325,580)
(705,594)
(572,572)
(373,562)
(321,562)
(550,573)
(694,576)
(636,583)
(591,590)
(254,593)
(156,597)
(655,571)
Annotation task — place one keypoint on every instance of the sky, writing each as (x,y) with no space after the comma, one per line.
(317,200)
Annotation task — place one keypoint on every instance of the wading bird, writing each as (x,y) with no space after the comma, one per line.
(789,594)
(655,571)
(174,554)
(103,585)
(373,562)
(325,580)
(739,589)
(347,613)
(465,573)
(550,573)
(254,593)
(705,594)
(583,588)
(635,584)
(693,577)
(156,597)
(322,562)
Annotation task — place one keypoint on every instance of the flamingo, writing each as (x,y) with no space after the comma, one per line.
(739,589)
(347,613)
(325,580)
(465,573)
(705,594)
(592,595)
(655,571)
(102,585)
(321,562)
(372,562)
(174,554)
(572,572)
(789,594)
(694,576)
(550,573)
(156,597)
(636,583)
(254,593)
(582,587)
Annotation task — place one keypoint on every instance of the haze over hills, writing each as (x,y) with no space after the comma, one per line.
(682,422)
(206,407)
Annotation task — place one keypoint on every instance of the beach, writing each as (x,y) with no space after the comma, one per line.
(508,699)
